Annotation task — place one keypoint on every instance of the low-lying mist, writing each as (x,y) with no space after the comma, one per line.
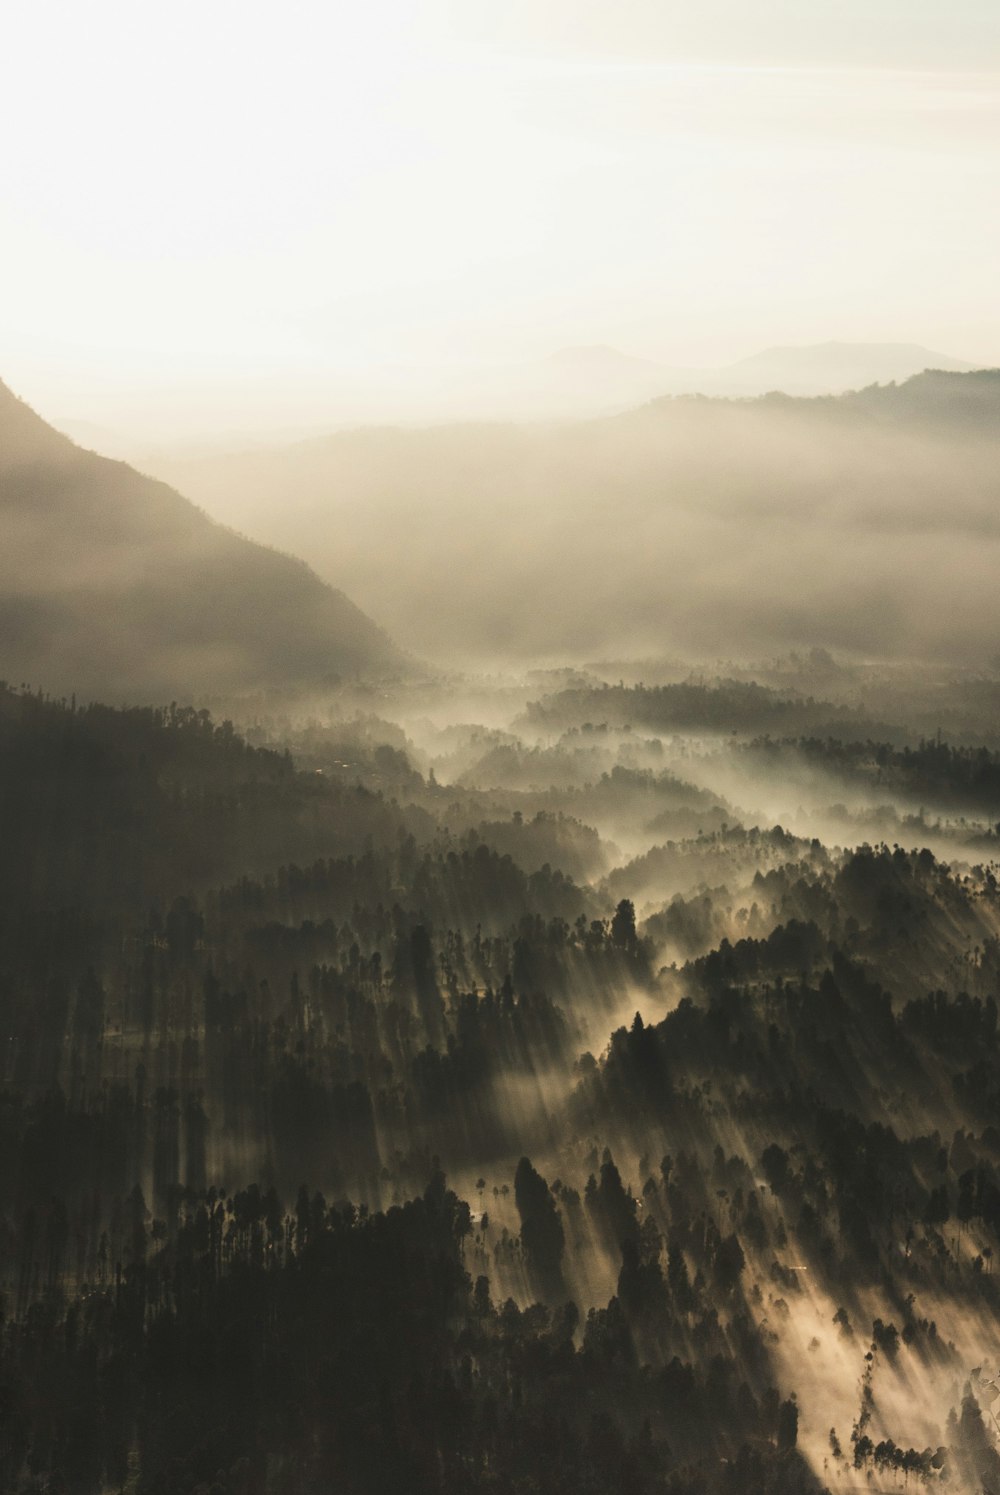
(864,523)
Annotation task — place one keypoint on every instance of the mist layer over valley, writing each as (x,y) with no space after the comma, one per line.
(865,524)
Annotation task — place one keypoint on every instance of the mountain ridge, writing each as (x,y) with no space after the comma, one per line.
(574,382)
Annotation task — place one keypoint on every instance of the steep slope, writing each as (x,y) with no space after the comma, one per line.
(112,583)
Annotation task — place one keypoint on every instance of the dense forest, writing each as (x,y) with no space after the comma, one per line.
(392,1101)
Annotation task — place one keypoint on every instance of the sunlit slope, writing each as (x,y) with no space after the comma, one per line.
(111,582)
(865,522)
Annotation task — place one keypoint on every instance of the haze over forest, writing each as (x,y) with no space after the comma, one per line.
(500,750)
(733,528)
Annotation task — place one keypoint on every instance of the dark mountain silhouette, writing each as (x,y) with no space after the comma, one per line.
(112,583)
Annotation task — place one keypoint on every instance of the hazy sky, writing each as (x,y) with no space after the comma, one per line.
(203,199)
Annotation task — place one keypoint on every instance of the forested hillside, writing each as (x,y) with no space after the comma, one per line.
(348,1140)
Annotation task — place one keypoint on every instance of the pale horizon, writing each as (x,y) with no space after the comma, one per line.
(331,217)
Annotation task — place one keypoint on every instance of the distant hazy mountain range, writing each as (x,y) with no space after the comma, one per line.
(867,522)
(596,380)
(829,368)
(571,384)
(113,584)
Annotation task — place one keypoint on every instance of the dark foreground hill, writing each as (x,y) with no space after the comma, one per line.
(111,583)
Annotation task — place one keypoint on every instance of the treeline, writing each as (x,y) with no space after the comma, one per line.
(910,918)
(798,1067)
(931,773)
(724,706)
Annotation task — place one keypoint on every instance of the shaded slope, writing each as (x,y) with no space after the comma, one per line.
(112,582)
